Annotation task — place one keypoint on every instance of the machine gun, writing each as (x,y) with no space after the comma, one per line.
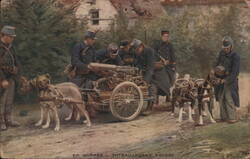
(98,67)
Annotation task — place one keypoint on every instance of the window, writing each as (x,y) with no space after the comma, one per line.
(94,16)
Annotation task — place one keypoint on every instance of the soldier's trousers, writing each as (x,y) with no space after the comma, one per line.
(6,99)
(152,92)
(227,106)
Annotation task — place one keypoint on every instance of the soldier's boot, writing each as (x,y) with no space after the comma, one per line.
(2,123)
(10,122)
(149,108)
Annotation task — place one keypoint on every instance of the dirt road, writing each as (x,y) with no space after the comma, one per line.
(74,138)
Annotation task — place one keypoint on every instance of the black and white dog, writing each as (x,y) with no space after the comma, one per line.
(184,93)
(205,98)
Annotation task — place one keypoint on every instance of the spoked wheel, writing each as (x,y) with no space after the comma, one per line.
(126,101)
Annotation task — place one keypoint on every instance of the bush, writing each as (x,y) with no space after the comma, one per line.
(45,35)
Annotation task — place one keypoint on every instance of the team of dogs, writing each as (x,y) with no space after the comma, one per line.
(186,91)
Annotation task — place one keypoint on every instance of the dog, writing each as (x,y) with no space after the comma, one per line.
(53,96)
(205,98)
(184,93)
(206,92)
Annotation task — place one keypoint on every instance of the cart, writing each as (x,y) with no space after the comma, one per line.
(120,90)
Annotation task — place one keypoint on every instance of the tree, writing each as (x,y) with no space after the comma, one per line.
(45,35)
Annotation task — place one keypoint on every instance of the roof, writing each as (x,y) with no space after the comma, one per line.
(139,8)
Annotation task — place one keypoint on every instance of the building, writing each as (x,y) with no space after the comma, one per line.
(100,14)
(97,14)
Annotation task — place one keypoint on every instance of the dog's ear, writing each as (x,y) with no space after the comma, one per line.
(48,76)
(23,79)
(33,82)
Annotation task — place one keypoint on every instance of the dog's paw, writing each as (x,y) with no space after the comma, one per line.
(85,121)
(57,128)
(67,119)
(45,126)
(172,114)
(213,121)
(38,123)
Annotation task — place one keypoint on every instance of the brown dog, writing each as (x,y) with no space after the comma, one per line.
(53,96)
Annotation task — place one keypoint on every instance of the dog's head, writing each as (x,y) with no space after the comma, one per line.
(42,81)
(25,85)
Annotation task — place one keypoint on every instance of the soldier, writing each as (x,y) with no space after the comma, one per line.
(145,60)
(109,55)
(164,51)
(228,92)
(83,54)
(8,75)
(126,54)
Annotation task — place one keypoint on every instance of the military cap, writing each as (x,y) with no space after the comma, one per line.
(90,34)
(123,43)
(113,48)
(164,31)
(227,42)
(136,43)
(9,30)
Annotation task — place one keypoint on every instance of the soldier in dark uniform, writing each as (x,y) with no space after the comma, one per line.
(84,53)
(228,91)
(164,51)
(9,69)
(125,52)
(145,60)
(109,55)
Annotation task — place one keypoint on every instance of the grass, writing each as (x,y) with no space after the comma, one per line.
(216,141)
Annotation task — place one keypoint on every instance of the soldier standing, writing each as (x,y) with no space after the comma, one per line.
(164,50)
(8,74)
(83,54)
(145,60)
(228,91)
(109,55)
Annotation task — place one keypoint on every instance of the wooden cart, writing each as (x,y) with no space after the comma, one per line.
(120,90)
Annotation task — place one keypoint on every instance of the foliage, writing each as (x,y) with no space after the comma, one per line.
(45,35)
(195,34)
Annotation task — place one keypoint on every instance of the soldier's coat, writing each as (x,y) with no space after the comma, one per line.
(167,52)
(9,59)
(103,57)
(146,62)
(128,57)
(81,56)
(231,62)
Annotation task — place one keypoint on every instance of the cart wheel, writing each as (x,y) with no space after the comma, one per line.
(126,101)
